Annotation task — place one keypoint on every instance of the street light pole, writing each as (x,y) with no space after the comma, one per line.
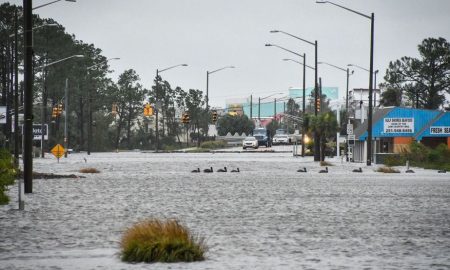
(304,97)
(28,92)
(315,44)
(207,83)
(156,99)
(369,118)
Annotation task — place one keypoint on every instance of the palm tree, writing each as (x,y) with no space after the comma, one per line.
(325,126)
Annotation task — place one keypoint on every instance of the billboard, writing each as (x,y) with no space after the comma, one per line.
(399,125)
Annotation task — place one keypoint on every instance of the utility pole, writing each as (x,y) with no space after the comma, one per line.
(16,93)
(304,109)
(251,108)
(275,109)
(28,96)
(66,116)
(259,108)
(156,111)
(316,96)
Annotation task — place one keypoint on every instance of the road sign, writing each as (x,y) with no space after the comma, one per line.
(349,129)
(351,139)
(148,110)
(37,133)
(58,151)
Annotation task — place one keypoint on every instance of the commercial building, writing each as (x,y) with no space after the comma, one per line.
(394,128)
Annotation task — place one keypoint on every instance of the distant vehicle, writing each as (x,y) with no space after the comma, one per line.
(250,142)
(263,136)
(280,139)
(281,131)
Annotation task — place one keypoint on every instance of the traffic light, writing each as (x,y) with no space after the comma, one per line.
(60,108)
(214,116)
(55,112)
(318,104)
(185,118)
(148,110)
(114,109)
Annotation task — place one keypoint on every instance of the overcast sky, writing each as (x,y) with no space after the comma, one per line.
(210,34)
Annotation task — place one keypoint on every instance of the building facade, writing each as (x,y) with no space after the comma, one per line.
(394,129)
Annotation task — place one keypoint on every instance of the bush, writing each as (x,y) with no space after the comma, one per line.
(394,160)
(418,152)
(422,156)
(7,174)
(89,170)
(387,170)
(154,240)
(213,144)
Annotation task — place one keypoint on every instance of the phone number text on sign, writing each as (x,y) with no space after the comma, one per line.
(398,125)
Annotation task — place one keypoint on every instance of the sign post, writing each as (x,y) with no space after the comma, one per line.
(58,151)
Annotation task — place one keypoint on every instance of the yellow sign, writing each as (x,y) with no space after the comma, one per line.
(58,151)
(148,110)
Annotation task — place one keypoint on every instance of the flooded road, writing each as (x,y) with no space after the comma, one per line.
(268,216)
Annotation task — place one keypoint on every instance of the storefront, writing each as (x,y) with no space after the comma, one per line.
(437,132)
(395,128)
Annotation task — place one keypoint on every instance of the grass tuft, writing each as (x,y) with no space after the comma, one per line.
(325,163)
(153,240)
(387,170)
(89,170)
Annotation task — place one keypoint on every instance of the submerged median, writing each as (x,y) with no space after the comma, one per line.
(154,240)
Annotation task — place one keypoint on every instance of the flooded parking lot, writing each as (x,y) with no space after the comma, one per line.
(268,216)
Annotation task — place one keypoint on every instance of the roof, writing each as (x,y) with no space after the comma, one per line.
(378,114)
(438,127)
(420,119)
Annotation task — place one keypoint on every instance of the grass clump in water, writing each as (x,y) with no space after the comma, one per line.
(153,240)
(89,170)
(325,163)
(387,170)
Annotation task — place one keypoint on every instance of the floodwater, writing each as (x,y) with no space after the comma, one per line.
(268,216)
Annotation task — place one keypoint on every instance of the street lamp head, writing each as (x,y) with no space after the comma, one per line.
(376,71)
(321,2)
(114,58)
(78,56)
(268,45)
(71,0)
(184,65)
(274,31)
(349,65)
(353,72)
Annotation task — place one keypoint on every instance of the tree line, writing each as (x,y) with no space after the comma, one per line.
(91,93)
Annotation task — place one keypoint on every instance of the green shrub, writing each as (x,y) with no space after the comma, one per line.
(213,144)
(7,174)
(394,160)
(154,240)
(422,156)
(418,152)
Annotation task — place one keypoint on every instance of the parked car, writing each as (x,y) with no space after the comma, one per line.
(250,142)
(280,139)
